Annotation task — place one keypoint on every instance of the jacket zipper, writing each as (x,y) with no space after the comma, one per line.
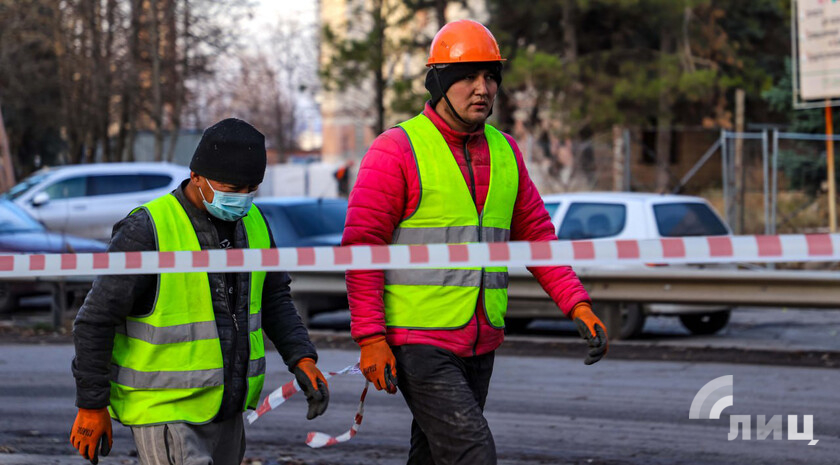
(248,312)
(470,170)
(235,351)
(481,283)
(235,323)
(231,311)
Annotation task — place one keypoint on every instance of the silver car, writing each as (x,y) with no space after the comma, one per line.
(86,200)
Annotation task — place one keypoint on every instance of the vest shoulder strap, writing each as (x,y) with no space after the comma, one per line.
(257,229)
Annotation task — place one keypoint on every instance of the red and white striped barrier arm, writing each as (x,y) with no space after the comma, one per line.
(711,249)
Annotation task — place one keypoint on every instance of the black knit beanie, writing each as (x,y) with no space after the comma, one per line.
(452,73)
(231,151)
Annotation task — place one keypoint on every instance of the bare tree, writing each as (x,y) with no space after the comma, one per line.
(178,86)
(7,179)
(92,73)
(129,95)
(357,55)
(265,86)
(28,85)
(156,112)
(294,56)
(254,92)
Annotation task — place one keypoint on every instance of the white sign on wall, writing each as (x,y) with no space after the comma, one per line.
(817,49)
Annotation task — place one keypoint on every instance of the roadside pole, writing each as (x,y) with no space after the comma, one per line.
(815,73)
(739,174)
(59,303)
(832,186)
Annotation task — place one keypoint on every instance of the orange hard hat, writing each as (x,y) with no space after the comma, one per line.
(463,41)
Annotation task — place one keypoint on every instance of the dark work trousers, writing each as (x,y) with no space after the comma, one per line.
(446,395)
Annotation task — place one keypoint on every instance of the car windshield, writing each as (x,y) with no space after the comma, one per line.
(22,187)
(586,220)
(687,219)
(13,219)
(318,218)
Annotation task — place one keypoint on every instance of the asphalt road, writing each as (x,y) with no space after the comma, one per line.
(542,410)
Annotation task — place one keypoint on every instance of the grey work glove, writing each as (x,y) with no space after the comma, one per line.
(308,377)
(592,329)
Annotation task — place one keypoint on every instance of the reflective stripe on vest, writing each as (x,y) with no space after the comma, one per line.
(178,333)
(449,235)
(167,366)
(446,298)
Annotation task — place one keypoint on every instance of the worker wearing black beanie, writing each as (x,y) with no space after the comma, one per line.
(191,337)
(231,151)
(231,154)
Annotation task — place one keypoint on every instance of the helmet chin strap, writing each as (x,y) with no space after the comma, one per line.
(448,103)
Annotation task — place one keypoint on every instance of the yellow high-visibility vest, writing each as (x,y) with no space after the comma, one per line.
(446,298)
(167,366)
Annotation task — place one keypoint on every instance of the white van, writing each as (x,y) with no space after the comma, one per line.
(86,200)
(624,215)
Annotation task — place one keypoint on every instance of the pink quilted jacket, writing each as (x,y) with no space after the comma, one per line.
(387,190)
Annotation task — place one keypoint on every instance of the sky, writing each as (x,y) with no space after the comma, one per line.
(267,12)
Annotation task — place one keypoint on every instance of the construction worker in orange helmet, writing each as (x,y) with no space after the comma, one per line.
(445,176)
(460,48)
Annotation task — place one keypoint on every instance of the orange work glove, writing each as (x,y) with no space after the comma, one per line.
(314,386)
(592,329)
(378,364)
(91,433)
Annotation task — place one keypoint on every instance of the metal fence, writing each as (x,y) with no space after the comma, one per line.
(762,182)
(771,181)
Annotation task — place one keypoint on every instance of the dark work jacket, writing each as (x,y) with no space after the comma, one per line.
(114,297)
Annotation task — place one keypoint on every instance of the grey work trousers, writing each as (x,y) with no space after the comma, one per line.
(221,443)
(446,396)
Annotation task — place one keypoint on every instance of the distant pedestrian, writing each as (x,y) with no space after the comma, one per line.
(445,176)
(342,177)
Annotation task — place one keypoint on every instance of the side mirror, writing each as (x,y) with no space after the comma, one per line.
(40,199)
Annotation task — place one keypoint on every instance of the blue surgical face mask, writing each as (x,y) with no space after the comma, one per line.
(228,206)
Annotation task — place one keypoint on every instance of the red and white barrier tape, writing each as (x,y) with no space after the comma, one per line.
(712,249)
(314,439)
(317,440)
